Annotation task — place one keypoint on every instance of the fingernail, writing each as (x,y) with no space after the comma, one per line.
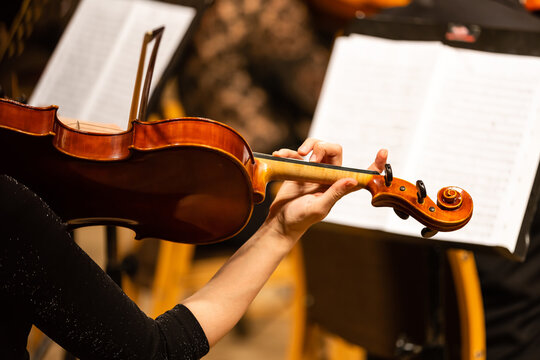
(313,158)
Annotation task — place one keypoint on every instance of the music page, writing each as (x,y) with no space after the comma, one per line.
(92,71)
(481,132)
(466,118)
(372,98)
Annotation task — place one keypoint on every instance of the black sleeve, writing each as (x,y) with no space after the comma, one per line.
(47,280)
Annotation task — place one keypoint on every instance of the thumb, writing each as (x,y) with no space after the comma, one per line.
(335,192)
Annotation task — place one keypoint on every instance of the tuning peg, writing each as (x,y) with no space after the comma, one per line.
(388,175)
(421,193)
(427,232)
(401,214)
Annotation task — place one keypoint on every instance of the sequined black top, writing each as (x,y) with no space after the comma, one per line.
(48,281)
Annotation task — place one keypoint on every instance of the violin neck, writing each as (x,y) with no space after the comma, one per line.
(280,169)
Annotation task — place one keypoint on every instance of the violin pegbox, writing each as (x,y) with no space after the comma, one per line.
(452,211)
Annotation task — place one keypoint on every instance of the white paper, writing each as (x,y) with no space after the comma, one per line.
(465,118)
(91,73)
(371,99)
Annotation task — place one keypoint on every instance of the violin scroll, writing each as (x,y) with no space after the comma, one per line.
(450,198)
(452,211)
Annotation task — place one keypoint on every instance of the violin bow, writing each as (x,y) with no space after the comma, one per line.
(140,101)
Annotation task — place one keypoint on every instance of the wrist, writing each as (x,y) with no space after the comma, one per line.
(274,231)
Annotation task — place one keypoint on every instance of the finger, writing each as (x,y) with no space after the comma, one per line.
(380,161)
(328,153)
(335,192)
(307,146)
(287,153)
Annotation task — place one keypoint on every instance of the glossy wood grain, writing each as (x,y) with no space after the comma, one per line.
(186,180)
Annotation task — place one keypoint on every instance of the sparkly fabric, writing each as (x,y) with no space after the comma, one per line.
(47,280)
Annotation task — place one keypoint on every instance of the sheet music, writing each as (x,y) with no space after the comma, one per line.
(372,99)
(477,127)
(92,71)
(481,126)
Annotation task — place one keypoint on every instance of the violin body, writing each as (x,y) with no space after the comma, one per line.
(148,179)
(188,180)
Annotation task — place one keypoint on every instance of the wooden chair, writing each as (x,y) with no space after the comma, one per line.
(391,299)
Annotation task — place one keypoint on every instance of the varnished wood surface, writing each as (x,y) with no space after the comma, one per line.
(402,195)
(174,186)
(186,180)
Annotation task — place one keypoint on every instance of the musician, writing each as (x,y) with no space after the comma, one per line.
(47,280)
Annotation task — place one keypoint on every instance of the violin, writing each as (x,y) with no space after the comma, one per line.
(188,180)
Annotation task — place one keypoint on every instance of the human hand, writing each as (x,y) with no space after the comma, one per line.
(222,302)
(299,205)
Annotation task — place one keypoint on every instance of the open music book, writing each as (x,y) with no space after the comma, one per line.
(92,71)
(447,116)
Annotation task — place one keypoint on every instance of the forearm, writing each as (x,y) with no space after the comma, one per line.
(221,303)
(224,299)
